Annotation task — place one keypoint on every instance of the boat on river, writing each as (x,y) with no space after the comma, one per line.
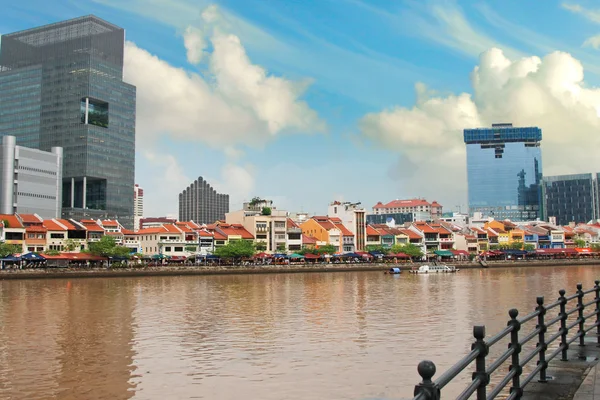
(394,271)
(434,269)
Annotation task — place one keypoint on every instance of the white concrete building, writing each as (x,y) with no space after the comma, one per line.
(30,180)
(138,206)
(353,217)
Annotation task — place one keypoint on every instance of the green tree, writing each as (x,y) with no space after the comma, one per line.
(494,247)
(190,248)
(377,248)
(8,249)
(516,245)
(580,243)
(326,249)
(52,252)
(236,249)
(411,250)
(70,245)
(281,247)
(260,246)
(107,247)
(6,223)
(595,246)
(266,211)
(307,250)
(255,200)
(528,247)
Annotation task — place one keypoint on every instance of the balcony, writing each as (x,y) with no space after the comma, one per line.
(177,241)
(446,240)
(262,228)
(431,239)
(294,230)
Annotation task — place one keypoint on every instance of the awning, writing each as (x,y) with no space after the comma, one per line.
(32,257)
(584,250)
(514,252)
(262,255)
(443,253)
(296,256)
(460,252)
(556,251)
(310,256)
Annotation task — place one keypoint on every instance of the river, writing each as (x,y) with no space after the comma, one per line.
(348,335)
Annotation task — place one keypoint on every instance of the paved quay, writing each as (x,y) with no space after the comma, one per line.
(576,379)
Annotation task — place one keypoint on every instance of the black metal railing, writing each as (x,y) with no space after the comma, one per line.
(565,319)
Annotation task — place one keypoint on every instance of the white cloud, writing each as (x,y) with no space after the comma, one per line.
(195,44)
(548,92)
(593,41)
(592,15)
(234,102)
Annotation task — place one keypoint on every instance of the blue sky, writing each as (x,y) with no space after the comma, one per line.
(311,101)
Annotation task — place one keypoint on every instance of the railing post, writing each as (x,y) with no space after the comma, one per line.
(481,345)
(580,314)
(597,299)
(426,370)
(542,339)
(514,344)
(563,324)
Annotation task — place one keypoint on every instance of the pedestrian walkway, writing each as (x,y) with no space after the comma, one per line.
(590,387)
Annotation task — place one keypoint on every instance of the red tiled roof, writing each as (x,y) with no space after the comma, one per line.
(170,228)
(324,222)
(52,225)
(205,233)
(68,224)
(425,228)
(184,227)
(151,231)
(127,232)
(291,223)
(491,233)
(110,223)
(91,225)
(114,233)
(345,231)
(219,236)
(308,240)
(236,230)
(36,228)
(30,219)
(403,203)
(372,231)
(478,230)
(13,221)
(411,234)
(435,204)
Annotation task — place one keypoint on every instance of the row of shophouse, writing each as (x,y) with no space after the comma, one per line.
(279,233)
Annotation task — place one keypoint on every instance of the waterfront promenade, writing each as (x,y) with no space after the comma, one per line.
(177,270)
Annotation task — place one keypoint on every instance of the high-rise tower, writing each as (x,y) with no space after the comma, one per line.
(61,85)
(504,172)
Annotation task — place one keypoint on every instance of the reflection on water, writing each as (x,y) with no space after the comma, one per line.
(353,335)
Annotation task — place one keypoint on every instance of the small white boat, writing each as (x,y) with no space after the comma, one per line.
(434,269)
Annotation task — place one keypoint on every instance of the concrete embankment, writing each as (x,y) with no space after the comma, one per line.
(170,270)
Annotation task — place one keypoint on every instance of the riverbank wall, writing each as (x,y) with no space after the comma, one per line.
(171,270)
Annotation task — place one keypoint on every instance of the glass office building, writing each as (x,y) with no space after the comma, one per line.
(504,172)
(571,198)
(61,85)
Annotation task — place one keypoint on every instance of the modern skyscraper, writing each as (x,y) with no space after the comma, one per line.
(504,172)
(30,180)
(138,206)
(202,204)
(61,85)
(571,198)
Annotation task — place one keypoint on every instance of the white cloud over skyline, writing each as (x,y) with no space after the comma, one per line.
(548,92)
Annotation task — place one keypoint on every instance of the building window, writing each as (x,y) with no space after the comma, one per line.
(94,112)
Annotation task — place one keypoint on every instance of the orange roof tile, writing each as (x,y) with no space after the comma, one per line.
(291,223)
(205,233)
(52,225)
(219,236)
(68,224)
(36,228)
(110,223)
(30,219)
(236,230)
(170,228)
(13,221)
(403,203)
(411,234)
(308,240)
(324,222)
(372,231)
(127,232)
(114,233)
(91,225)
(492,233)
(151,231)
(425,228)
(345,231)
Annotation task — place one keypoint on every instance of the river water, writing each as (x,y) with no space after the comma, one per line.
(350,335)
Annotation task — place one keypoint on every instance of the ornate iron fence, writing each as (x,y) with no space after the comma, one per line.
(429,389)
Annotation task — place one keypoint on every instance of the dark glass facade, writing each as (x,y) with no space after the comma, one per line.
(201,203)
(571,198)
(399,218)
(504,172)
(62,85)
